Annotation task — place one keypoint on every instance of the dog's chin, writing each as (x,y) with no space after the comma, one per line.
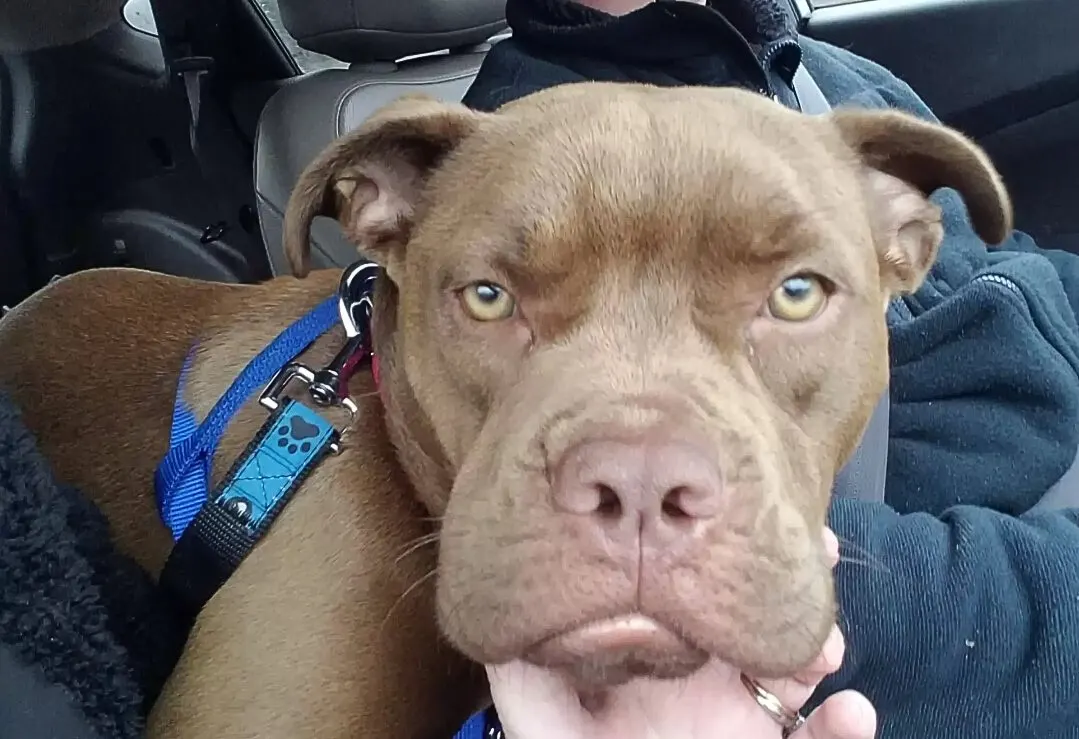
(605,654)
(615,672)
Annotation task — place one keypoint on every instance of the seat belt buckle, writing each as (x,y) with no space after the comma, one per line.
(191,69)
(194,63)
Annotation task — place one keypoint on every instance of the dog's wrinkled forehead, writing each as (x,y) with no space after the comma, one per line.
(583,184)
(627,173)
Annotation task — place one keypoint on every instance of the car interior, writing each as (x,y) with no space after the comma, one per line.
(167,134)
(102,161)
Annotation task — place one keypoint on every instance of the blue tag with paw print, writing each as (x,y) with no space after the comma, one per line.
(288,446)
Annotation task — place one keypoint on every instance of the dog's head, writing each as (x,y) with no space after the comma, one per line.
(629,336)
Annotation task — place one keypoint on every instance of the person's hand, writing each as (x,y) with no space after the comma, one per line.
(846,715)
(534,703)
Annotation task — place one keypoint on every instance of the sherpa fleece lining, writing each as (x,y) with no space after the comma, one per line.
(87,618)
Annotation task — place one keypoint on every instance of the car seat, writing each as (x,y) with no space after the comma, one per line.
(376,38)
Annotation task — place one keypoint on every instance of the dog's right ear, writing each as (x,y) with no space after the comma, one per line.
(372,179)
(905,160)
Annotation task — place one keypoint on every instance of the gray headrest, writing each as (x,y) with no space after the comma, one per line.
(27,25)
(386,30)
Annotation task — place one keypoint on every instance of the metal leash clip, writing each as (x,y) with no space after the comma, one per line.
(330,384)
(328,387)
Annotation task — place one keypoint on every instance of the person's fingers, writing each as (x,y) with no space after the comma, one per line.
(846,715)
(831,547)
(527,697)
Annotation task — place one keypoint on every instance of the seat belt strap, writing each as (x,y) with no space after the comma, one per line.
(193,72)
(189,68)
(811,99)
(193,88)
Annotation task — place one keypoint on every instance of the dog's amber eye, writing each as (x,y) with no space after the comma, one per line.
(799,298)
(486,301)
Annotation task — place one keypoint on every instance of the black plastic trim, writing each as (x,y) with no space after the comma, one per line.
(980,64)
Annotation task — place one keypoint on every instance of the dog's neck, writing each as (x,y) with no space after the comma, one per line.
(418,449)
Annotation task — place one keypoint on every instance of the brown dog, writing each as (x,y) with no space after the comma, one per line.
(628,335)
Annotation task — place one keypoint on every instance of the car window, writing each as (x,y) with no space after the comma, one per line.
(307,61)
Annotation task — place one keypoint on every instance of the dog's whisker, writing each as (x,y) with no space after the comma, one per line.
(417,544)
(867,563)
(861,555)
(426,538)
(408,591)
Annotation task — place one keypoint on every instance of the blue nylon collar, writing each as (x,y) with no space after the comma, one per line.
(478,726)
(182,479)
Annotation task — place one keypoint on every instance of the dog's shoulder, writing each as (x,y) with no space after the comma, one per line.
(122,304)
(93,359)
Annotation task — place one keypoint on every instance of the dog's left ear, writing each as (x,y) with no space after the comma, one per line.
(371,179)
(906,159)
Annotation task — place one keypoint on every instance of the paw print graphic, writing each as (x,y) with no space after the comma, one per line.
(296,437)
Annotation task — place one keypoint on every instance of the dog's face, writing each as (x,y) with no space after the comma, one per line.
(631,335)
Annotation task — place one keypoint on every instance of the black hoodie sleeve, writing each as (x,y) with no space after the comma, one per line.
(962,625)
(964,622)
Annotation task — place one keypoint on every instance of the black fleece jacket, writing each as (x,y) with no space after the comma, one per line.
(960,604)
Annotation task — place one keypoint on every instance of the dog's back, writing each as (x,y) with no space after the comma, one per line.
(84,361)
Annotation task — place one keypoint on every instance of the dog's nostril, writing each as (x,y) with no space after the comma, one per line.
(674,504)
(613,480)
(610,504)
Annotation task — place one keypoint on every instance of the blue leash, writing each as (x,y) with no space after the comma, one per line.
(182,479)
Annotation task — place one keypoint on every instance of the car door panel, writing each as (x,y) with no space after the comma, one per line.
(1005,72)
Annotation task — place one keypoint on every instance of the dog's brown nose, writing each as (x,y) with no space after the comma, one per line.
(655,480)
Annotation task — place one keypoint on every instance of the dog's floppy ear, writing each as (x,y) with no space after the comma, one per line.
(906,160)
(371,179)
